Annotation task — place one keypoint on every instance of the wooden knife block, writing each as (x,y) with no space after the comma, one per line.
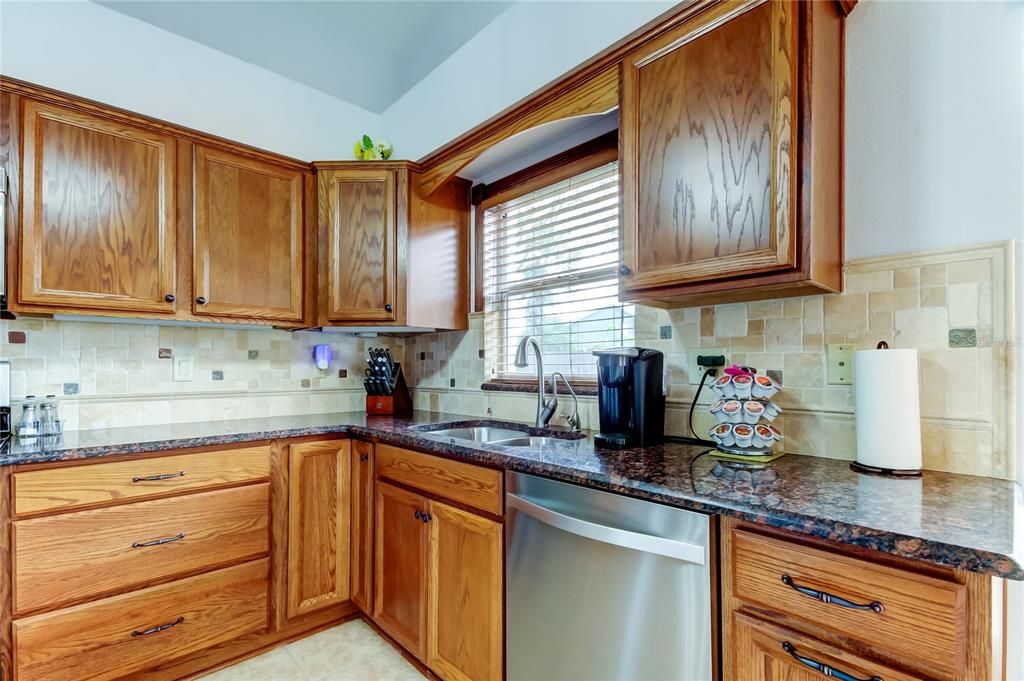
(399,403)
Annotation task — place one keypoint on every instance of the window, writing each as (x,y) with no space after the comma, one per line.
(550,260)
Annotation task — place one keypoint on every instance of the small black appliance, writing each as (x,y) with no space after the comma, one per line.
(630,397)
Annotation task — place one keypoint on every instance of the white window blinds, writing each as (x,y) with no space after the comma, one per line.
(550,260)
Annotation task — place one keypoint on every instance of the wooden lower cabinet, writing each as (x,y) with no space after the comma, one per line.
(318,525)
(361,543)
(118,636)
(400,567)
(439,580)
(465,620)
(768,652)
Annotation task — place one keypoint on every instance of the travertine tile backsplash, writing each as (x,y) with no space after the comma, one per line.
(953,306)
(121,379)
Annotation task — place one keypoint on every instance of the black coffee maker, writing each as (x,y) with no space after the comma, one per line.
(630,398)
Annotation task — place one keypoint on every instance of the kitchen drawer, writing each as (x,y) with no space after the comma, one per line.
(71,557)
(922,619)
(118,636)
(768,651)
(61,489)
(465,483)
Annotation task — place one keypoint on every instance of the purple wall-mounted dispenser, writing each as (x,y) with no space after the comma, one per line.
(322,357)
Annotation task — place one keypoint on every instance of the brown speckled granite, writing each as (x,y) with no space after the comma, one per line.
(954,520)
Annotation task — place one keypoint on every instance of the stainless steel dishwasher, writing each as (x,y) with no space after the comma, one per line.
(601,586)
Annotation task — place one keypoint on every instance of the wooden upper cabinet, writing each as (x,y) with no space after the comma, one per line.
(318,525)
(98,213)
(359,234)
(731,155)
(248,243)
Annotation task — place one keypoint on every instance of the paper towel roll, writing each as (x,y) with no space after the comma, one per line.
(888,409)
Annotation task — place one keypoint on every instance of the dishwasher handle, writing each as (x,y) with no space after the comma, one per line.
(638,541)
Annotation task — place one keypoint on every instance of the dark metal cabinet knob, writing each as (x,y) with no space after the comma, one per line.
(170,298)
(364,457)
(625,271)
(201,300)
(418,514)
(427,517)
(388,307)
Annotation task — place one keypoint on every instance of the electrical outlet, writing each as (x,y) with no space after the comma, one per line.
(183,368)
(693,370)
(839,364)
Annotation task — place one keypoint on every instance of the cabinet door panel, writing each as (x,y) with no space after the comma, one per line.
(465,614)
(772,653)
(98,213)
(248,238)
(709,148)
(318,525)
(400,567)
(361,244)
(362,525)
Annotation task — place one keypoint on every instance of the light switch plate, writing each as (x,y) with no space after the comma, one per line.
(183,368)
(694,371)
(839,362)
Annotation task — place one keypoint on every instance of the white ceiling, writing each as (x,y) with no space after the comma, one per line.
(364,52)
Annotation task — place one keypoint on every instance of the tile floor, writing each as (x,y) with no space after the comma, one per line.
(349,652)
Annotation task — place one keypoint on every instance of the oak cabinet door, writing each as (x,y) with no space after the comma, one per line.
(98,213)
(318,525)
(772,653)
(248,238)
(465,615)
(708,148)
(362,525)
(359,208)
(400,567)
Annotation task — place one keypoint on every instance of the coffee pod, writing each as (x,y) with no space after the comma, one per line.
(723,386)
(733,410)
(763,437)
(743,386)
(776,433)
(716,411)
(744,434)
(771,410)
(722,434)
(764,387)
(752,411)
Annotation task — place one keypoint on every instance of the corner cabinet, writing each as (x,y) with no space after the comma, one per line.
(318,525)
(389,256)
(97,213)
(731,155)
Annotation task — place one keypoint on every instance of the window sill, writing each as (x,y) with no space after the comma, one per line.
(584,390)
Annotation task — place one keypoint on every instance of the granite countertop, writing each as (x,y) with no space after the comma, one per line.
(960,521)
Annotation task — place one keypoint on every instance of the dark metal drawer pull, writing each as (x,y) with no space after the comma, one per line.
(158,542)
(828,671)
(829,598)
(164,476)
(158,629)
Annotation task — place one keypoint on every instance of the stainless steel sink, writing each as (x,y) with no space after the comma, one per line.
(478,434)
(530,441)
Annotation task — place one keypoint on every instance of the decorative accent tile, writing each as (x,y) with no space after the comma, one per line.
(306,383)
(164,353)
(70,389)
(963,338)
(16,337)
(254,354)
(665,332)
(342,373)
(217,375)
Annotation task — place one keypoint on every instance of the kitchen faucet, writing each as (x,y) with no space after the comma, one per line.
(545,410)
(573,419)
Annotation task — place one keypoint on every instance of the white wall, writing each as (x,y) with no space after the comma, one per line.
(89,50)
(527,46)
